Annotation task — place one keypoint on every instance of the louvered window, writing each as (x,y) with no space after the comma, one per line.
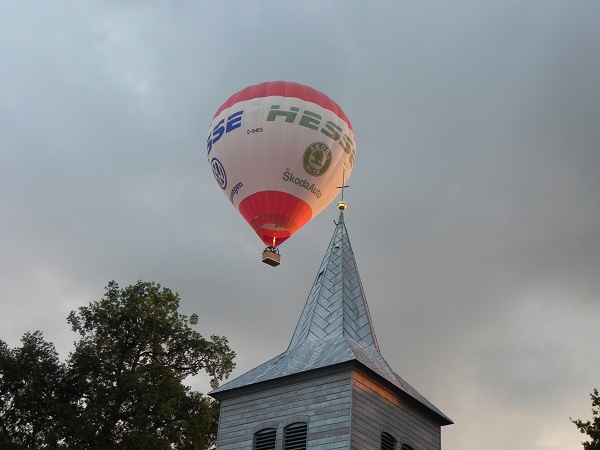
(406,447)
(265,439)
(388,442)
(294,436)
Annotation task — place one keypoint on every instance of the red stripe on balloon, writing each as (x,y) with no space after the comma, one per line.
(285,89)
(275,214)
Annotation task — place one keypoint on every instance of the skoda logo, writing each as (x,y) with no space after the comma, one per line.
(219,172)
(317,159)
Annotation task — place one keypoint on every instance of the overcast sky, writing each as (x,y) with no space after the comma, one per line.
(474,206)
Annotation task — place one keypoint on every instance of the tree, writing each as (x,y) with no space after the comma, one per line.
(123,385)
(31,405)
(128,371)
(591,428)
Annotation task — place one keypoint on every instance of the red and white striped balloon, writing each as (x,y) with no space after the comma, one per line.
(279,151)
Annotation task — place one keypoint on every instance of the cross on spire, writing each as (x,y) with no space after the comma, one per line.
(342,205)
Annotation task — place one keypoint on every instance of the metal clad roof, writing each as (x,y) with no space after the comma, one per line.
(335,327)
(336,304)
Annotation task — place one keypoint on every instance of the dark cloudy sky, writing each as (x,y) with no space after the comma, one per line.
(474,206)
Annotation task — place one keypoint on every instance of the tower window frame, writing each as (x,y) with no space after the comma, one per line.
(265,439)
(388,442)
(295,436)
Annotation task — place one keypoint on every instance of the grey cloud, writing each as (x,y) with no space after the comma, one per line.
(473,204)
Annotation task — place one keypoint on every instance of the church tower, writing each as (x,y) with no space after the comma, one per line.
(332,388)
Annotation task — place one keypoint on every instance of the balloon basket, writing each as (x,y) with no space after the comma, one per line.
(271,256)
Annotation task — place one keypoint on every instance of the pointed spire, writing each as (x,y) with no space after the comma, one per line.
(335,327)
(336,306)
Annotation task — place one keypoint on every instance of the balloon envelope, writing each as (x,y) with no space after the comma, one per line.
(280,151)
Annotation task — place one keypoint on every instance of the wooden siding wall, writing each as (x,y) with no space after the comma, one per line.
(324,403)
(376,409)
(344,410)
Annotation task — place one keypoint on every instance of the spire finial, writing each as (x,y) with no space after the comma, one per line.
(342,205)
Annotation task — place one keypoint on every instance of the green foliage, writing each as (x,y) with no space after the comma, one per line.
(30,395)
(591,428)
(122,386)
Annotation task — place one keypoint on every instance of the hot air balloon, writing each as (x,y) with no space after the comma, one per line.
(279,151)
